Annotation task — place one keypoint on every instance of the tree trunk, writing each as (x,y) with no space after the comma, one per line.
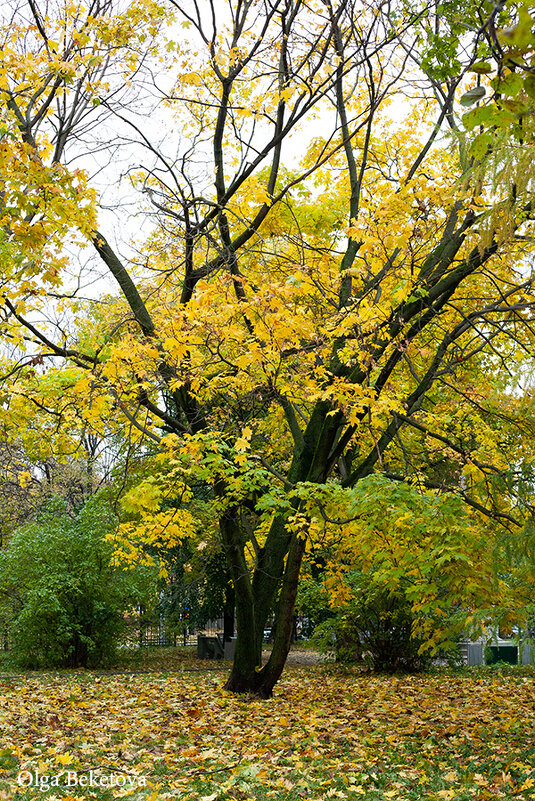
(255,599)
(261,680)
(248,653)
(229,613)
(284,621)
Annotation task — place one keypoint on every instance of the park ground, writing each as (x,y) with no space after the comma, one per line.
(162,727)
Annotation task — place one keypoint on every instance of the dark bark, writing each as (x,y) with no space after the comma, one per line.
(278,566)
(248,654)
(229,611)
(260,680)
(284,621)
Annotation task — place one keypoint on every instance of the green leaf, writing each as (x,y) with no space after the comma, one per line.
(515,106)
(481,67)
(488,116)
(529,85)
(510,85)
(478,116)
(473,95)
(520,35)
(481,144)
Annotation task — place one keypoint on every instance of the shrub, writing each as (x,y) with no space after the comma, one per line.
(376,627)
(63,599)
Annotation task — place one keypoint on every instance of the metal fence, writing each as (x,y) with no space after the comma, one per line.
(146,633)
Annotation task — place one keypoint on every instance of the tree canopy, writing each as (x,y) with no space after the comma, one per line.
(325,273)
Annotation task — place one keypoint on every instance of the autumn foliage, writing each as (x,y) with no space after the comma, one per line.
(318,346)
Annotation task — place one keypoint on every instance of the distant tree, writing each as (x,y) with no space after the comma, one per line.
(194,591)
(27,481)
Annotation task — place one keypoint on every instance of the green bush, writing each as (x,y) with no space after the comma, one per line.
(376,628)
(62,598)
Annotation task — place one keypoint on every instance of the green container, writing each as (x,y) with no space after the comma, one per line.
(502,653)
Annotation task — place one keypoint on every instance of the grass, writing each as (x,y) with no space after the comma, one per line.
(327,733)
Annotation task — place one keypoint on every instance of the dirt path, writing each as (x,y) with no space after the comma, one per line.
(299,657)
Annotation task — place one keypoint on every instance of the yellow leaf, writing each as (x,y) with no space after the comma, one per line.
(65,759)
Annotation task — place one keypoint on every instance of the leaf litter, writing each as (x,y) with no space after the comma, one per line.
(327,733)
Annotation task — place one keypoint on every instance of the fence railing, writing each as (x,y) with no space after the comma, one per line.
(150,633)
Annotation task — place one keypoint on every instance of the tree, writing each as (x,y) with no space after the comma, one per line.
(63,599)
(404,581)
(26,483)
(286,329)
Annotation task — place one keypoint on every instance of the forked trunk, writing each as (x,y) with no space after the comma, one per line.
(254,599)
(247,677)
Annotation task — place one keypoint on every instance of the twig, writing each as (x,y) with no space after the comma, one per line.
(215,770)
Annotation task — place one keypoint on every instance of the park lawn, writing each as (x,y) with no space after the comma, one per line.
(327,733)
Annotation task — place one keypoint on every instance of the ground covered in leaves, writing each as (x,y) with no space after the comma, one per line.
(327,733)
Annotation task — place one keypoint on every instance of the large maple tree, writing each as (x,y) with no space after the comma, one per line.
(335,280)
